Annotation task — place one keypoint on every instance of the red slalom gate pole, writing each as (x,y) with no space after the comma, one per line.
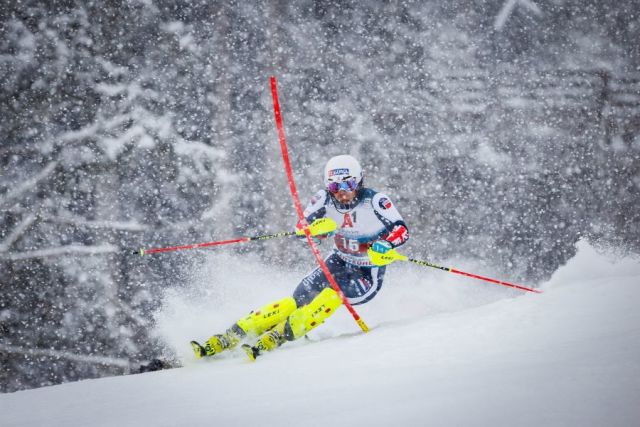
(296,201)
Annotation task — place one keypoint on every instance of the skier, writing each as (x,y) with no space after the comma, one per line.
(366,219)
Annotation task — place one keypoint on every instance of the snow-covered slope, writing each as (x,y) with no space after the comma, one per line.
(442,351)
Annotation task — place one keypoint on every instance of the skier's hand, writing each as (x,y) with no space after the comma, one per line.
(320,229)
(381,246)
(323,227)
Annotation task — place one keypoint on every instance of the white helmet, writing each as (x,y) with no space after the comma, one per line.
(342,172)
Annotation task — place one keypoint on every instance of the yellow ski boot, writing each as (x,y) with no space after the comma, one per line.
(272,339)
(253,325)
(216,344)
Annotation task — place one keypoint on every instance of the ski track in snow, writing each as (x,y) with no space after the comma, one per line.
(443,350)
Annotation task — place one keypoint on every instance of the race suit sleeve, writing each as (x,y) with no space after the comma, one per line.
(396,231)
(316,207)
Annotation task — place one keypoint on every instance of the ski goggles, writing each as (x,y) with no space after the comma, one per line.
(348,184)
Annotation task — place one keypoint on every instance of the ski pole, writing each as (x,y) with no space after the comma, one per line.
(296,201)
(319,227)
(392,255)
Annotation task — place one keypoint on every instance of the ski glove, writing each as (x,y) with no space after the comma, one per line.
(381,246)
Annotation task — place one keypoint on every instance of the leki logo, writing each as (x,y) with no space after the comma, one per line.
(342,171)
(270,314)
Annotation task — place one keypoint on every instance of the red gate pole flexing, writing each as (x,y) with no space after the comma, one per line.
(296,201)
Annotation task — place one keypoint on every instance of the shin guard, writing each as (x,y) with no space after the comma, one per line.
(313,314)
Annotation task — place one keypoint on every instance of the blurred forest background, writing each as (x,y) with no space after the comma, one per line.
(505,131)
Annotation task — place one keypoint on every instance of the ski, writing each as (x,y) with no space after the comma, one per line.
(252,352)
(198,350)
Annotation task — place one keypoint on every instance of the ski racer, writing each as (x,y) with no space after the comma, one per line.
(365,219)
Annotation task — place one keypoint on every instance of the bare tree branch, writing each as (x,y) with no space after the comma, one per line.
(60,251)
(17,232)
(112,225)
(28,184)
(507,10)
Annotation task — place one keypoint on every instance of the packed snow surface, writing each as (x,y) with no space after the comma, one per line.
(443,350)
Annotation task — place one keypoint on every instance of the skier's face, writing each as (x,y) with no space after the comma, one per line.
(344,190)
(344,197)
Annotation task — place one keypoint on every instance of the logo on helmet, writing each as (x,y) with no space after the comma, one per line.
(341,171)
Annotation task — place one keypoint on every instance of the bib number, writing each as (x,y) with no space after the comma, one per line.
(350,245)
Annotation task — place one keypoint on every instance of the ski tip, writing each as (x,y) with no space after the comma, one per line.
(252,352)
(198,350)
